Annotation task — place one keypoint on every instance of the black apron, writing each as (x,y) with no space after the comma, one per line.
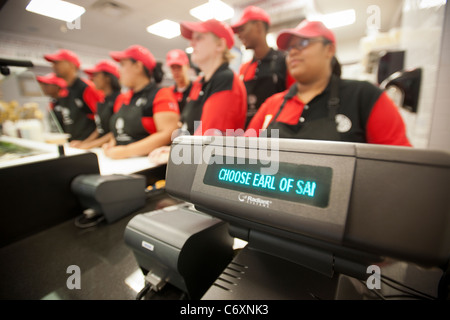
(182,96)
(75,113)
(266,83)
(193,109)
(104,113)
(191,113)
(126,123)
(319,129)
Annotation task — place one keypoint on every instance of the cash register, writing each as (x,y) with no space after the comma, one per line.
(316,215)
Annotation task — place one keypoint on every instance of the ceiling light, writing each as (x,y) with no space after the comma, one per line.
(426,4)
(213,9)
(336,19)
(189,50)
(165,28)
(271,39)
(56,9)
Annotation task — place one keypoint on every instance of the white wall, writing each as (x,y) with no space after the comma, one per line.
(15,46)
(421,38)
(440,124)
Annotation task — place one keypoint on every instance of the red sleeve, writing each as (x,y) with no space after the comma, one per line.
(247,71)
(165,101)
(257,121)
(225,110)
(63,93)
(385,124)
(123,98)
(91,96)
(264,115)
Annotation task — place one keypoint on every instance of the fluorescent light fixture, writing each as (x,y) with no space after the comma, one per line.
(56,9)
(271,40)
(189,50)
(213,9)
(425,4)
(336,19)
(165,28)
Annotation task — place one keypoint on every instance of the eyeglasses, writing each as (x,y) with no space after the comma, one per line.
(303,43)
(198,36)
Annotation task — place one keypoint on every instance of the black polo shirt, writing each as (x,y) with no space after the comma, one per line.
(263,78)
(219,103)
(365,113)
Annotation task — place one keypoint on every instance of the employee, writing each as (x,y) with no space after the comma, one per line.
(218,98)
(78,108)
(178,62)
(321,105)
(105,75)
(55,88)
(217,101)
(266,73)
(145,116)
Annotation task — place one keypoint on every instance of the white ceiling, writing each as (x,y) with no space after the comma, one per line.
(101,30)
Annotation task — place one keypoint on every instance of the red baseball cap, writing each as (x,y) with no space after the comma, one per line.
(218,28)
(178,57)
(138,53)
(63,54)
(306,29)
(51,78)
(104,66)
(251,13)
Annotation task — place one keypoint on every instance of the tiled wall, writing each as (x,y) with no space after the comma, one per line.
(440,124)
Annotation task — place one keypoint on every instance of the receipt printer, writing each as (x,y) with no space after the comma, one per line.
(180,246)
(113,196)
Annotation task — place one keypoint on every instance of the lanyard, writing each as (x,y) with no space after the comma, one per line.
(333,101)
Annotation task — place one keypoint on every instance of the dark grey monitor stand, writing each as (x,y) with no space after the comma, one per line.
(255,275)
(316,214)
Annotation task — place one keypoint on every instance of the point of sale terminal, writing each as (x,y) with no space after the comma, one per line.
(319,219)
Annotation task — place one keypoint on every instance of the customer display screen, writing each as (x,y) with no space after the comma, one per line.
(299,183)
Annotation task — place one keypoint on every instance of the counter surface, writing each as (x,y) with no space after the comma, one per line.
(36,267)
(49,151)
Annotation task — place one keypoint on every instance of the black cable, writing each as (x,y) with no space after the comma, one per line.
(379,295)
(399,296)
(387,297)
(182,296)
(143,292)
(444,283)
(412,295)
(383,277)
(406,295)
(89,222)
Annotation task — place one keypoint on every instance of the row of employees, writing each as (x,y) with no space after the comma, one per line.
(293,92)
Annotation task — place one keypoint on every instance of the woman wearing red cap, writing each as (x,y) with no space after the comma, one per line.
(321,105)
(105,75)
(217,103)
(178,62)
(145,116)
(218,98)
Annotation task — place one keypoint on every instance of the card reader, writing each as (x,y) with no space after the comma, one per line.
(111,196)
